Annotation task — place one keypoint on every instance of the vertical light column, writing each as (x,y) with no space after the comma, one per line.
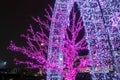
(60,19)
(111,16)
(97,38)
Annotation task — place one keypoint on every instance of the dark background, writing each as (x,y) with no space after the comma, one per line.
(15,16)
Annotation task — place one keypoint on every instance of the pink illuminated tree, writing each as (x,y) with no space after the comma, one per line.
(38,42)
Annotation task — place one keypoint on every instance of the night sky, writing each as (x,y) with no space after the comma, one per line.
(15,16)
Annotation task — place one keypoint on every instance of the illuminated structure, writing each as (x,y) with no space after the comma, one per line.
(101,20)
(103,46)
(58,52)
(61,14)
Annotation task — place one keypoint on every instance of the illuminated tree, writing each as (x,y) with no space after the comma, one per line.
(38,42)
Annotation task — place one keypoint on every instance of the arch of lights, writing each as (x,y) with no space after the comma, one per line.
(101,20)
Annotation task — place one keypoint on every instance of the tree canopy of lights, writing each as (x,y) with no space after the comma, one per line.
(38,42)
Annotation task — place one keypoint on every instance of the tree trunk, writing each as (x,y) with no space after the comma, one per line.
(70,78)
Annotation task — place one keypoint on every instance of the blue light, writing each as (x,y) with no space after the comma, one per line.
(3,64)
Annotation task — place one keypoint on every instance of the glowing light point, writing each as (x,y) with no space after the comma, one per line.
(42,44)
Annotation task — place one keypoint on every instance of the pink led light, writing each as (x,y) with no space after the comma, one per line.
(37,48)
